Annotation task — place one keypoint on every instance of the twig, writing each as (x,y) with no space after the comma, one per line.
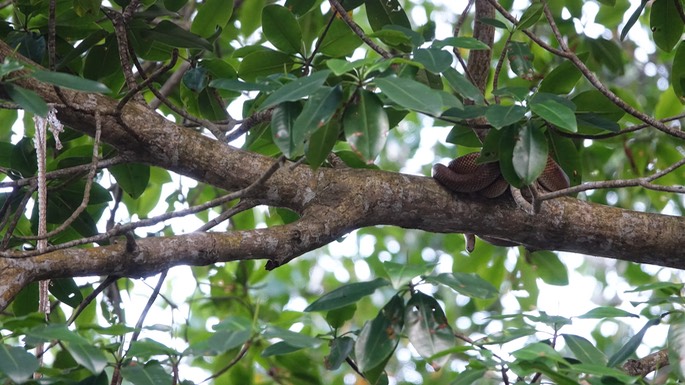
(170,84)
(251,121)
(148,306)
(498,67)
(358,30)
(647,364)
(235,360)
(18,214)
(239,208)
(139,86)
(64,172)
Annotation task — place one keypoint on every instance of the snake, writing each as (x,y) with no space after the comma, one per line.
(465,175)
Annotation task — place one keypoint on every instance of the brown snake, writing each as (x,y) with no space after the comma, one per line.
(465,175)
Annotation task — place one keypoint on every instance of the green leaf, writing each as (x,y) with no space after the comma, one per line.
(595,111)
(211,14)
(282,122)
(411,94)
(402,273)
(66,290)
(537,351)
(517,93)
(631,346)
(521,60)
(605,373)
(336,318)
(379,337)
(133,178)
(263,63)
(499,115)
(65,80)
(563,78)
(8,66)
(493,22)
(463,86)
(677,77)
(384,12)
(584,350)
(167,32)
(530,16)
(633,19)
(340,350)
(151,373)
(221,342)
(554,111)
(469,376)
(607,53)
(16,363)
(237,85)
(340,66)
(435,60)
(196,79)
(666,24)
(27,99)
(530,156)
(468,284)
(57,332)
(461,42)
(292,338)
(676,344)
(427,328)
(279,348)
(88,356)
(366,125)
(345,295)
(322,142)
(147,348)
(317,111)
(281,28)
(607,312)
(297,89)
(340,40)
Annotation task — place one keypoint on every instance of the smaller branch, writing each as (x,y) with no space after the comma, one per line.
(251,121)
(145,83)
(170,84)
(308,60)
(63,172)
(17,216)
(235,360)
(357,29)
(119,22)
(498,67)
(148,306)
(645,182)
(647,364)
(52,32)
(243,205)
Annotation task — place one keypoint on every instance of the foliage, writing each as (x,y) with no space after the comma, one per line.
(365,88)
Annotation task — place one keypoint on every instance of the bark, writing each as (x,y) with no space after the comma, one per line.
(331,202)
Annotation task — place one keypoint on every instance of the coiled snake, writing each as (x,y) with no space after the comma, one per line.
(465,175)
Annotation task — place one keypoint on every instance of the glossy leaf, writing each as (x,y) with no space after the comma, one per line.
(529,160)
(554,111)
(297,89)
(584,350)
(607,312)
(345,295)
(563,78)
(322,142)
(537,351)
(461,42)
(379,337)
(463,86)
(211,14)
(677,77)
(500,115)
(676,344)
(133,178)
(469,376)
(282,123)
(317,111)
(340,350)
(66,290)
(411,94)
(594,111)
(196,79)
(402,273)
(633,343)
(381,13)
(435,60)
(27,99)
(150,374)
(427,328)
(340,40)
(88,356)
(530,16)
(56,332)
(16,363)
(147,348)
(169,33)
(666,24)
(281,28)
(336,318)
(366,125)
(521,60)
(292,338)
(470,285)
(633,18)
(262,63)
(607,53)
(340,66)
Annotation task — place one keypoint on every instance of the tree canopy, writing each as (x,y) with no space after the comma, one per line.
(240,192)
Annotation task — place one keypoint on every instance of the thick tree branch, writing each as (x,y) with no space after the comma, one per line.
(331,202)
